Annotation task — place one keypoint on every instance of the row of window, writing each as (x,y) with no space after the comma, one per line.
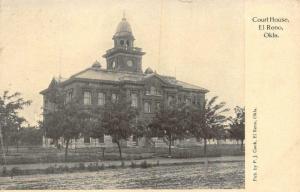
(87,98)
(101,99)
(153,91)
(148,108)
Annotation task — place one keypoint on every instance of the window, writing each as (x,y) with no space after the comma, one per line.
(194,99)
(152,90)
(101,99)
(86,139)
(179,99)
(69,97)
(170,100)
(114,98)
(113,65)
(134,100)
(158,106)
(147,108)
(87,98)
(188,101)
(158,92)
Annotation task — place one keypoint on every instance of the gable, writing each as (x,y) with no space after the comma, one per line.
(156,80)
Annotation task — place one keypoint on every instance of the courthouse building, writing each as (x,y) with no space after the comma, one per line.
(147,89)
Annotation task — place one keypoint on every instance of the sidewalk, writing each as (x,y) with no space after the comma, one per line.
(162,161)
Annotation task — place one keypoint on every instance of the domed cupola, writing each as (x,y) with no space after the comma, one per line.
(123,36)
(123,29)
(124,56)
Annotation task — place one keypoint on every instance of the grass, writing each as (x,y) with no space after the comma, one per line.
(50,155)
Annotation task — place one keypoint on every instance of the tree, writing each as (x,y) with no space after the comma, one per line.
(237,125)
(118,120)
(30,135)
(143,128)
(169,123)
(65,120)
(10,121)
(207,122)
(94,126)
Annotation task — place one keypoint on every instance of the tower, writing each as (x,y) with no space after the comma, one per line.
(124,56)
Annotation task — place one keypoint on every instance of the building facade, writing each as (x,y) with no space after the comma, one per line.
(147,89)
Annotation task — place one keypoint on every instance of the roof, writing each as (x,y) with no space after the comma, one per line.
(107,75)
(93,73)
(119,76)
(190,86)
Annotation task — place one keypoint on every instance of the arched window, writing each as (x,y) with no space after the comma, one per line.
(147,108)
(122,42)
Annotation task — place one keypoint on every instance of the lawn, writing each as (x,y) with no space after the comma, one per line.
(25,155)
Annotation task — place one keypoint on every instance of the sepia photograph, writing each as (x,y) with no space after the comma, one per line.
(122,94)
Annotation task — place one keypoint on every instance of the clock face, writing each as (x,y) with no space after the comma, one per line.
(129,63)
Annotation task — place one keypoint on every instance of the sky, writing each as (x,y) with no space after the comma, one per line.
(197,41)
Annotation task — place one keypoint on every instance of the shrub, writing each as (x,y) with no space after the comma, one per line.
(123,164)
(16,171)
(112,166)
(4,171)
(66,168)
(61,168)
(101,167)
(132,165)
(81,166)
(50,170)
(90,167)
(144,164)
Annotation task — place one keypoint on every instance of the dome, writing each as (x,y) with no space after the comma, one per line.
(123,29)
(96,65)
(148,71)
